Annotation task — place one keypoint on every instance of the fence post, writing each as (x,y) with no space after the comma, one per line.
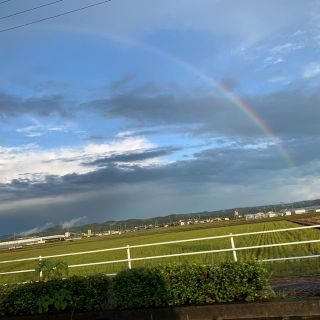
(41,272)
(129,256)
(233,247)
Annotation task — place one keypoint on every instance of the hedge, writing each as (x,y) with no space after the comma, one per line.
(71,294)
(173,285)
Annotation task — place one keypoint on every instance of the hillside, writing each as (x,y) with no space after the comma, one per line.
(173,218)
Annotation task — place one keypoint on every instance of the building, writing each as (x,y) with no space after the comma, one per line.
(23,242)
(255,216)
(272,214)
(300,211)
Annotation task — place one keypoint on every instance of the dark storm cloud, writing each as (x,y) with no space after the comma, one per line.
(122,83)
(223,174)
(293,112)
(234,165)
(137,155)
(12,106)
(196,111)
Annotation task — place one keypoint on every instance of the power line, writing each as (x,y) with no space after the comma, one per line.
(31,9)
(55,16)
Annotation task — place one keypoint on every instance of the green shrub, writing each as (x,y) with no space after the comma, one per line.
(139,288)
(173,285)
(227,282)
(176,285)
(72,294)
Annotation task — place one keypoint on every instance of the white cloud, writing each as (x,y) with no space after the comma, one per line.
(280,79)
(32,162)
(286,48)
(311,70)
(273,60)
(36,229)
(72,222)
(38,130)
(124,134)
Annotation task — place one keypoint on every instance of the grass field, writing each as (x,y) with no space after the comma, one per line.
(309,266)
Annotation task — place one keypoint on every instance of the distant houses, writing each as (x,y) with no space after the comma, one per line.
(69,236)
(286,212)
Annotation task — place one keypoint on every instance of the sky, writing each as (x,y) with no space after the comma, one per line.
(134,109)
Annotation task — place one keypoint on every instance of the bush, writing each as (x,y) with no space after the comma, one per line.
(139,288)
(173,285)
(177,285)
(72,294)
(228,282)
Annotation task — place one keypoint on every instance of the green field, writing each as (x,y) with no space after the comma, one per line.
(309,266)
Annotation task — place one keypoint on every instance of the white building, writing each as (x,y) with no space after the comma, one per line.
(300,211)
(272,214)
(19,243)
(255,216)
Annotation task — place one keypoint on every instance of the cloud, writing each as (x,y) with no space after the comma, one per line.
(36,229)
(214,114)
(38,130)
(32,163)
(271,60)
(279,79)
(311,70)
(241,172)
(286,48)
(13,106)
(73,222)
(133,157)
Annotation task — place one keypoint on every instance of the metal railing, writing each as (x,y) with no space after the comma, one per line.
(129,259)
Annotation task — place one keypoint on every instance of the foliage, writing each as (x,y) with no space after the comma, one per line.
(139,288)
(72,294)
(50,270)
(227,282)
(176,285)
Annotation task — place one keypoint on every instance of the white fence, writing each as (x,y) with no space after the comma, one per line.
(233,249)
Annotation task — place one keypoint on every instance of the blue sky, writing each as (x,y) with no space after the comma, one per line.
(117,111)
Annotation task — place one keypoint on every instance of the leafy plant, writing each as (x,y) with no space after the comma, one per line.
(49,270)
(139,288)
(78,294)
(60,300)
(172,285)
(227,282)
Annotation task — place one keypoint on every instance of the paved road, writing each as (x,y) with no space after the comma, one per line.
(297,286)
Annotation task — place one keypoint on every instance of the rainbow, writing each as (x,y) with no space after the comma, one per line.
(240,103)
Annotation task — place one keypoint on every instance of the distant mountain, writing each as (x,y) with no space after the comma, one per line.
(172,218)
(5,237)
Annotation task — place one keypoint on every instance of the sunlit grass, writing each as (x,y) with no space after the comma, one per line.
(170,234)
